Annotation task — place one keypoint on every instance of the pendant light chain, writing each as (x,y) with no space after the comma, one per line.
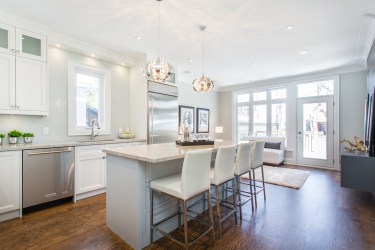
(158,29)
(203,29)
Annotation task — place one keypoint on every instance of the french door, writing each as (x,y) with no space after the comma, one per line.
(315,131)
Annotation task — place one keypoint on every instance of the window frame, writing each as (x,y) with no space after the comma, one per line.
(104,117)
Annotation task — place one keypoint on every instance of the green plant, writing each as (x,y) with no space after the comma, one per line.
(2,135)
(14,133)
(28,135)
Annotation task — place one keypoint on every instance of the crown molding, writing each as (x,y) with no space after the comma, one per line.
(360,65)
(13,20)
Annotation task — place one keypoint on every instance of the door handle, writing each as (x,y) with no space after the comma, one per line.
(300,133)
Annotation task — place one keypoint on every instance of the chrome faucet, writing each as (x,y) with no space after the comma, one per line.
(94,122)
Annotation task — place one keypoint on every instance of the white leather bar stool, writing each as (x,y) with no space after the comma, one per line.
(256,162)
(242,166)
(221,174)
(194,180)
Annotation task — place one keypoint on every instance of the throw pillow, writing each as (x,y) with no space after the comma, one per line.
(272,145)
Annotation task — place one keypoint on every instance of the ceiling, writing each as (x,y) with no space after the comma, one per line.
(245,40)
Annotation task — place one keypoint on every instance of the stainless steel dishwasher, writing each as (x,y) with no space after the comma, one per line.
(48,177)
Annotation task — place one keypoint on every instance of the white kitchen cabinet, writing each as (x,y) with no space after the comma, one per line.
(23,69)
(10,181)
(90,168)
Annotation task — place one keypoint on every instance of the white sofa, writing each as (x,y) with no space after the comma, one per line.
(271,156)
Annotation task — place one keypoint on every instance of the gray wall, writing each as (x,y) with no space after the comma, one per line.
(188,97)
(226,114)
(57,121)
(353,93)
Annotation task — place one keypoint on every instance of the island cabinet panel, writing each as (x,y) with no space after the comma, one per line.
(10,182)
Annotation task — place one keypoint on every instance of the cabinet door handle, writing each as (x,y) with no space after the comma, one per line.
(17,51)
(12,106)
(104,157)
(18,107)
(13,50)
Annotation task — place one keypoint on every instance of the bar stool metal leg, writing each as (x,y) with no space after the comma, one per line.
(264,188)
(255,190)
(211,217)
(218,208)
(186,232)
(239,195)
(234,201)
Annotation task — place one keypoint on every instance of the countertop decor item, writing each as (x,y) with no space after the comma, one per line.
(1,138)
(126,135)
(194,143)
(159,70)
(13,136)
(203,83)
(358,144)
(28,137)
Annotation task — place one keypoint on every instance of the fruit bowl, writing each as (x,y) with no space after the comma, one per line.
(126,136)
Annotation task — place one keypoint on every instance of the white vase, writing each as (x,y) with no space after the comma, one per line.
(28,139)
(13,140)
(1,141)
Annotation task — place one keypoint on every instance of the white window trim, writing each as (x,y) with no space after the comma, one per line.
(105,107)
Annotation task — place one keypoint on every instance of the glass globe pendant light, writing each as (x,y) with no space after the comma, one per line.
(158,70)
(203,83)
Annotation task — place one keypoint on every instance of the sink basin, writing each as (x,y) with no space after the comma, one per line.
(96,141)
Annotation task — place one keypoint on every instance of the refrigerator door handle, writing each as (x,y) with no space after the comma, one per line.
(152,120)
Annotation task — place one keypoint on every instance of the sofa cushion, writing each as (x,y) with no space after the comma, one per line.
(273,156)
(272,145)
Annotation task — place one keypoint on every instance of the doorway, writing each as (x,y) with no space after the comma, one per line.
(315,131)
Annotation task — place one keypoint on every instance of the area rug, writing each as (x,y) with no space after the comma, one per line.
(286,177)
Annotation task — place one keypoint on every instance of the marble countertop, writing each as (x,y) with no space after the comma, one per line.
(35,145)
(161,152)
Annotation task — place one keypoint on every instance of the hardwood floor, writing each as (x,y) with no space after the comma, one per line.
(320,215)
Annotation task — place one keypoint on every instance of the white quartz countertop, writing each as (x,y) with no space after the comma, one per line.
(160,152)
(25,146)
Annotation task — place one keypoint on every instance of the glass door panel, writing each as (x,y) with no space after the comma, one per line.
(31,45)
(7,44)
(315,131)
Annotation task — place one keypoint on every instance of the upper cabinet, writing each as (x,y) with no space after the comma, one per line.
(23,68)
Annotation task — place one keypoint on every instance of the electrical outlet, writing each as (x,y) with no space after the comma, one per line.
(119,130)
(45,130)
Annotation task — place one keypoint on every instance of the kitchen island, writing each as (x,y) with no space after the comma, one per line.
(129,172)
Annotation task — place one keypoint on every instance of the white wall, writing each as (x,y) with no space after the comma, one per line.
(353,93)
(57,121)
(353,89)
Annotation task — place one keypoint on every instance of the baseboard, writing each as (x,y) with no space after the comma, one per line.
(90,193)
(9,215)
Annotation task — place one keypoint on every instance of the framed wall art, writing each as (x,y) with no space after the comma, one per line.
(203,120)
(186,118)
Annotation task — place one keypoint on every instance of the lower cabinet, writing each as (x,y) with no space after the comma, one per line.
(90,168)
(10,183)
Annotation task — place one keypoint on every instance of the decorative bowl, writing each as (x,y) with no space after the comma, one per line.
(126,136)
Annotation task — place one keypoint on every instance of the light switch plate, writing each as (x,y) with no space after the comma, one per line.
(45,130)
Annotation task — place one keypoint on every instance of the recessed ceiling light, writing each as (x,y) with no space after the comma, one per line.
(290,27)
(303,52)
(186,72)
(254,64)
(92,55)
(123,64)
(190,60)
(138,37)
(58,45)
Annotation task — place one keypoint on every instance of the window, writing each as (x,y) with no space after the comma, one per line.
(316,88)
(261,113)
(89,98)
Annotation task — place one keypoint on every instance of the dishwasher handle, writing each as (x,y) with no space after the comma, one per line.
(50,152)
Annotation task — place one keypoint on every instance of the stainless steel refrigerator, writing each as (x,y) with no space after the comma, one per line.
(162,115)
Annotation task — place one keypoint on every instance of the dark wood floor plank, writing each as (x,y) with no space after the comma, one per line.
(320,215)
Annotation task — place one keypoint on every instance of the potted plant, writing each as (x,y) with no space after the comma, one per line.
(28,137)
(13,136)
(1,138)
